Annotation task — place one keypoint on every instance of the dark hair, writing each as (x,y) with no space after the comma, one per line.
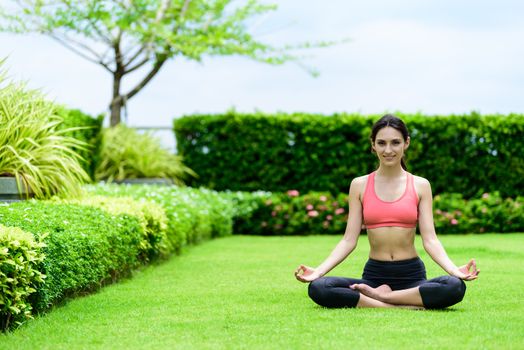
(395,123)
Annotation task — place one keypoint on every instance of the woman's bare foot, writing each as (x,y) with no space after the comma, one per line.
(378,293)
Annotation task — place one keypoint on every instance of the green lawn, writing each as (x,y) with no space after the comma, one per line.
(240,292)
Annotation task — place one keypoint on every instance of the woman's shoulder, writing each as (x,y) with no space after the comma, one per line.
(421,181)
(358,184)
(359,181)
(422,186)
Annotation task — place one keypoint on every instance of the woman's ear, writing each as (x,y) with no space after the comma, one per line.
(408,141)
(372,147)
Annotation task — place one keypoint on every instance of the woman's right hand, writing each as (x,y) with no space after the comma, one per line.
(306,274)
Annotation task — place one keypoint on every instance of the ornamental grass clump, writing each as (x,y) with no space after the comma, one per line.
(32,148)
(127,154)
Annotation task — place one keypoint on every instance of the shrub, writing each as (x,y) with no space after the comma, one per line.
(87,129)
(19,276)
(126,154)
(151,216)
(468,154)
(489,213)
(32,149)
(265,213)
(193,214)
(289,213)
(85,247)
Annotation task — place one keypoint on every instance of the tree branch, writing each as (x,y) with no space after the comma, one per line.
(81,54)
(161,13)
(162,10)
(147,78)
(136,66)
(93,25)
(184,9)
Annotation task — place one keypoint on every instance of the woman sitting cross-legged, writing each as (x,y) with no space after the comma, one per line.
(390,202)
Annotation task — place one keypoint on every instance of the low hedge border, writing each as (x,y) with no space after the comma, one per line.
(189,220)
(85,247)
(266,213)
(95,240)
(151,217)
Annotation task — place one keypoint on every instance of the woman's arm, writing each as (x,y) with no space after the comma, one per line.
(430,240)
(346,245)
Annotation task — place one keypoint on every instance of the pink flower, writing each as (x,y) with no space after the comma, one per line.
(325,224)
(329,217)
(309,207)
(438,211)
(339,211)
(335,204)
(323,198)
(273,213)
(485,196)
(269,202)
(322,207)
(454,221)
(312,213)
(293,193)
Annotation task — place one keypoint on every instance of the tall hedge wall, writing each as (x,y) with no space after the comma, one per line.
(89,131)
(468,154)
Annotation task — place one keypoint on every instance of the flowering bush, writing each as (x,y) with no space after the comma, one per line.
(489,213)
(293,213)
(290,213)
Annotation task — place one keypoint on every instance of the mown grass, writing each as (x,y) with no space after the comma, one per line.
(240,293)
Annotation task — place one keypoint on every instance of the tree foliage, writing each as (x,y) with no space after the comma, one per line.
(126,36)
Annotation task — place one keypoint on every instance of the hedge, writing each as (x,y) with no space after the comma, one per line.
(85,247)
(266,213)
(89,131)
(469,154)
(95,240)
(193,214)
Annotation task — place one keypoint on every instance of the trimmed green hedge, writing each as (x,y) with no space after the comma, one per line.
(89,132)
(85,247)
(193,214)
(265,213)
(97,239)
(468,154)
(151,217)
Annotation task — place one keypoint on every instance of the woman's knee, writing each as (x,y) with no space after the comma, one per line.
(442,292)
(317,290)
(457,288)
(333,292)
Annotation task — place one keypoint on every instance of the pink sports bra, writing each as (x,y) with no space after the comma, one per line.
(400,213)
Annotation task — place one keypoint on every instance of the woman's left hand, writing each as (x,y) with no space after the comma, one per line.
(467,272)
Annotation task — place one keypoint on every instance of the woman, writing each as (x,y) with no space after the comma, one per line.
(390,202)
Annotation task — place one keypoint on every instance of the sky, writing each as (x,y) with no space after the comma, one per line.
(433,57)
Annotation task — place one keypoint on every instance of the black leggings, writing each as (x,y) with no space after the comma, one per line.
(436,293)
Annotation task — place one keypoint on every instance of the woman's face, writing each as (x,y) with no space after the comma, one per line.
(390,146)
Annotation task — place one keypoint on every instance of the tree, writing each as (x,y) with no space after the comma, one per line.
(140,36)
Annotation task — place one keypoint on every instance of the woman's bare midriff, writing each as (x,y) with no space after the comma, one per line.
(392,243)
